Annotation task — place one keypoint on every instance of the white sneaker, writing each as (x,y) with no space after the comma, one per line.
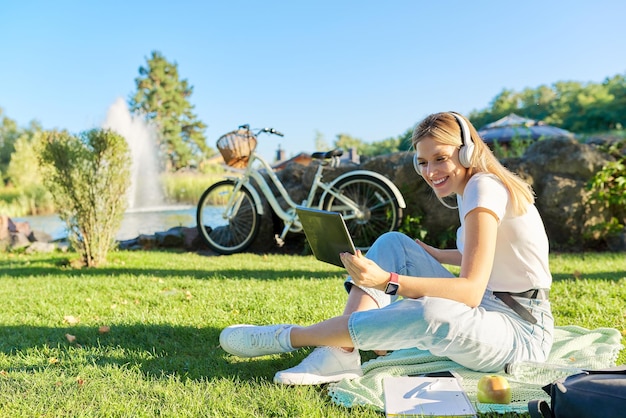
(254,341)
(323,365)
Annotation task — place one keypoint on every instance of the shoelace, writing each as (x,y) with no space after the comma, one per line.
(265,340)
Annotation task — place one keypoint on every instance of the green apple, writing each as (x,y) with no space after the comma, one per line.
(494,389)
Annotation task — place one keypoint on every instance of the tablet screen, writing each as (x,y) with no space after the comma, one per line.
(326,233)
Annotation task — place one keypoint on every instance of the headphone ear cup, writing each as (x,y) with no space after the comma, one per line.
(465,155)
(467,149)
(416,165)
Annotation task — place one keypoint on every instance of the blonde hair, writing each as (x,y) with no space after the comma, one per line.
(445,129)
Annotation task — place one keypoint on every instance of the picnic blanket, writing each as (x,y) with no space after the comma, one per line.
(573,345)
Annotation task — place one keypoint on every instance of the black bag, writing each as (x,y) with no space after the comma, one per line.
(591,394)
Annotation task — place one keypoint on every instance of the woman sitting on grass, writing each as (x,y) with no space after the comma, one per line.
(400,296)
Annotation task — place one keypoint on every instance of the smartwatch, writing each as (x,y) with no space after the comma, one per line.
(392,285)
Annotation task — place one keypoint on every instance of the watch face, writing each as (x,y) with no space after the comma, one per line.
(392,288)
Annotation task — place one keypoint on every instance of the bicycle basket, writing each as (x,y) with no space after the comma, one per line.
(236,147)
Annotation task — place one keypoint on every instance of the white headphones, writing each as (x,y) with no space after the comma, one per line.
(415,164)
(466,150)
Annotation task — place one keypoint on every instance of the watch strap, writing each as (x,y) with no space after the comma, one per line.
(392,284)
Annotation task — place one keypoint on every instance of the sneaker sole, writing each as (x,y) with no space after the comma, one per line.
(313,379)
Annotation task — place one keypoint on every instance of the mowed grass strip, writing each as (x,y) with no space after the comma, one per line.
(139,336)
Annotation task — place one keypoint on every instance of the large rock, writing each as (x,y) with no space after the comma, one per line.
(558,170)
(19,235)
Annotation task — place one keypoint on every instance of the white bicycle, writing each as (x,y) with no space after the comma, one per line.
(229,212)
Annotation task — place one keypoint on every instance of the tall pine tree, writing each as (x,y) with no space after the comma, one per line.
(164,100)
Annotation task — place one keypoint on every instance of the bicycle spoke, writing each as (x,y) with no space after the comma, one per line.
(372,211)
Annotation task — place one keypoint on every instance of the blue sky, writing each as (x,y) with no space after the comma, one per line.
(370,69)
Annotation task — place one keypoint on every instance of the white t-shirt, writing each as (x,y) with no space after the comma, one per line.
(521,259)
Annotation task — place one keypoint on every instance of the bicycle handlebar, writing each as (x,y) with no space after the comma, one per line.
(272,131)
(267,130)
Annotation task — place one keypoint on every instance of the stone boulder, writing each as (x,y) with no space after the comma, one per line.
(558,170)
(20,236)
(179,237)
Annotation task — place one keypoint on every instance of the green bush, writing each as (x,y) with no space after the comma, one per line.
(608,189)
(89,176)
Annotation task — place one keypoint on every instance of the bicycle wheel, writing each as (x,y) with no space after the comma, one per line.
(380,211)
(227,230)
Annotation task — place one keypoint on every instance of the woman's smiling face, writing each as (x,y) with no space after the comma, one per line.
(439,165)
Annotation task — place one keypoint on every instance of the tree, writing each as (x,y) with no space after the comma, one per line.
(89,176)
(386,146)
(346,142)
(617,108)
(164,100)
(9,133)
(537,103)
(24,174)
(23,169)
(405,139)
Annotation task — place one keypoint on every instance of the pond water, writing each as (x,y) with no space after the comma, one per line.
(135,222)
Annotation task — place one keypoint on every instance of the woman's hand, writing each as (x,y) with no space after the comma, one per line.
(364,271)
(434,252)
(451,256)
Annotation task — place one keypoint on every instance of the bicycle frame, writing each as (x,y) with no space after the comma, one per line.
(289,216)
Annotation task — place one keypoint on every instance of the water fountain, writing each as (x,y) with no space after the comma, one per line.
(148,211)
(146,190)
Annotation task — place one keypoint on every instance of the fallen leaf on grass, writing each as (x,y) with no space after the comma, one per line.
(71,338)
(104,329)
(71,319)
(53,360)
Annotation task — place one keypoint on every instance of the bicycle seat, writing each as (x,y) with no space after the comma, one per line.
(326,155)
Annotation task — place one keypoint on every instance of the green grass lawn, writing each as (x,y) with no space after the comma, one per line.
(165,310)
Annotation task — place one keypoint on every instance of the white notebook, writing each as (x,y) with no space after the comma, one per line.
(407,396)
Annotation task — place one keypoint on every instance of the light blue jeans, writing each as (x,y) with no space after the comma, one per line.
(484,338)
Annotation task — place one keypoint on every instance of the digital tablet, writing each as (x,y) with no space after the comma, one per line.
(326,233)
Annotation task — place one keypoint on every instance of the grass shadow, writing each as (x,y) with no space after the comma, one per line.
(44,269)
(158,351)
